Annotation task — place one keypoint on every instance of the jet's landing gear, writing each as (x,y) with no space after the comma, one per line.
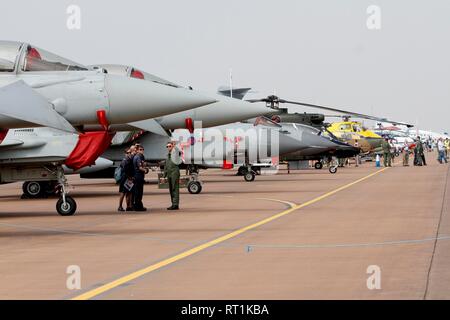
(242,170)
(38,189)
(66,205)
(333,169)
(248,173)
(194,185)
(318,165)
(249,176)
(333,165)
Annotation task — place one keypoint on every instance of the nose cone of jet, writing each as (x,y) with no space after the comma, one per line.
(225,110)
(317,144)
(308,142)
(135,99)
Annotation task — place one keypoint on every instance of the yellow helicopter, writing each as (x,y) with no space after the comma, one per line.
(354,132)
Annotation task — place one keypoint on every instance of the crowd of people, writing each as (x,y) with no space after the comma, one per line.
(130,176)
(441,145)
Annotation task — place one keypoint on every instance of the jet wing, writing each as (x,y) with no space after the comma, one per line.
(19,101)
(150,125)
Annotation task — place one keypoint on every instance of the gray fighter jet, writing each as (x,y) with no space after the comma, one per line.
(41,165)
(238,144)
(38,88)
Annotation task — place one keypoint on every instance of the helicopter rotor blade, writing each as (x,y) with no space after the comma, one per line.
(346,112)
(275,100)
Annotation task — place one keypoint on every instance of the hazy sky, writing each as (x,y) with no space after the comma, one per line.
(314,51)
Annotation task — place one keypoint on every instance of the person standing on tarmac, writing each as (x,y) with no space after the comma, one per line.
(386,147)
(406,155)
(418,152)
(441,151)
(172,173)
(422,152)
(357,157)
(392,150)
(140,170)
(447,147)
(129,173)
(123,179)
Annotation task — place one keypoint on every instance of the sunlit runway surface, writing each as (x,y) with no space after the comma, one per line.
(304,235)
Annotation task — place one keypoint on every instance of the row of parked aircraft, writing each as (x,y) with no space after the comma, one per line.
(60,117)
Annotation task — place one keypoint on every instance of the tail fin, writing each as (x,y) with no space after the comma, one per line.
(238,93)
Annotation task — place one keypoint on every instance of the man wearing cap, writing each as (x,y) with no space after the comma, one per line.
(172,173)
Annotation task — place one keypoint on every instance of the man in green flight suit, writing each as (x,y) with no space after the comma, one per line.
(172,173)
(418,153)
(386,153)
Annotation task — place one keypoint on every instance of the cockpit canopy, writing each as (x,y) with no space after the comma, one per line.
(133,72)
(16,56)
(9,52)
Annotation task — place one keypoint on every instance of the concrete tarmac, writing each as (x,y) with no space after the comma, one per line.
(304,235)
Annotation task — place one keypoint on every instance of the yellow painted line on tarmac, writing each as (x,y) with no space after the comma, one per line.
(134,275)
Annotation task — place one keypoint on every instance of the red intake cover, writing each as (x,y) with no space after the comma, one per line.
(90,146)
(3,134)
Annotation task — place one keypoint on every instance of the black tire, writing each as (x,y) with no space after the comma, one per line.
(318,165)
(68,209)
(194,187)
(249,176)
(333,169)
(33,189)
